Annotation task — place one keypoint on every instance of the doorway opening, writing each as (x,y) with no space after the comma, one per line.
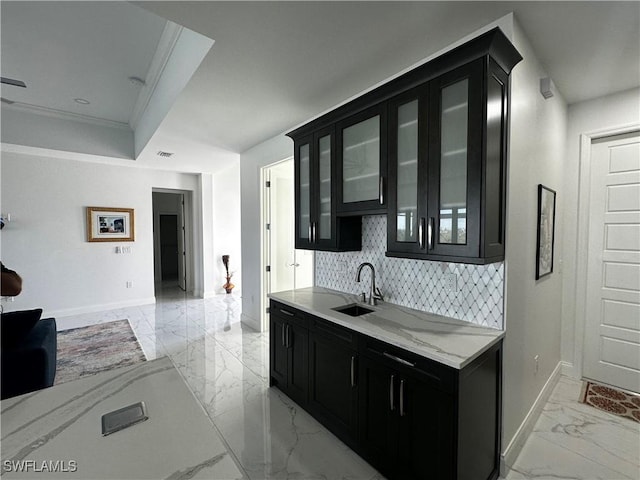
(172,238)
(283,267)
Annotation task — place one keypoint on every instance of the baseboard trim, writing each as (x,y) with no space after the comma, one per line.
(68,312)
(250,321)
(514,448)
(571,371)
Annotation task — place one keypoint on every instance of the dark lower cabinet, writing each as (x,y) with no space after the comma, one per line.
(408,416)
(289,356)
(333,379)
(406,429)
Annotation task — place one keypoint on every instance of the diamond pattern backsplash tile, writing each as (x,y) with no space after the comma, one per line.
(416,284)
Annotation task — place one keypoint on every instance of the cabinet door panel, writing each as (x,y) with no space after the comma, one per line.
(333,390)
(298,366)
(324,230)
(407,168)
(455,162)
(452,227)
(378,428)
(304,193)
(425,440)
(362,163)
(278,356)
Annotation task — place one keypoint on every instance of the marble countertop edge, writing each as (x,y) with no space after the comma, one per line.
(449,341)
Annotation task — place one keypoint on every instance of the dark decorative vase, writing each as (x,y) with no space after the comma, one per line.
(228,286)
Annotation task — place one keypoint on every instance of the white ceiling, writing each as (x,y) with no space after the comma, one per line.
(69,50)
(275,65)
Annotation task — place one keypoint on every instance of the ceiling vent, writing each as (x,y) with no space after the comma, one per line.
(164,154)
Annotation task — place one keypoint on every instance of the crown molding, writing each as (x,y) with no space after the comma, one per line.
(61,114)
(166,44)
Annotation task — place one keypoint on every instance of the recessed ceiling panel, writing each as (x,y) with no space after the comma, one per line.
(65,51)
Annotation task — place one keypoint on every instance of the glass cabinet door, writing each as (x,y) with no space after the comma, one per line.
(454,116)
(322,229)
(455,162)
(361,149)
(304,196)
(361,161)
(406,205)
(407,173)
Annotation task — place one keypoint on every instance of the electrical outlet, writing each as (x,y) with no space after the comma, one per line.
(535,368)
(129,284)
(451,282)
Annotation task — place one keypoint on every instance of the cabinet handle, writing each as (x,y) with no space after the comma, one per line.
(381,191)
(402,398)
(399,360)
(421,232)
(310,240)
(287,313)
(430,233)
(353,370)
(288,336)
(284,340)
(391,405)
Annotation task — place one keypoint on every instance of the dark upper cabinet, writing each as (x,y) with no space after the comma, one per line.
(428,148)
(450,204)
(317,226)
(362,162)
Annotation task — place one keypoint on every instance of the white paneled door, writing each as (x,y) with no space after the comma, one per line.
(612,324)
(285,267)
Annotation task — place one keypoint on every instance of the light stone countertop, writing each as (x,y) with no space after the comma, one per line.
(446,340)
(59,429)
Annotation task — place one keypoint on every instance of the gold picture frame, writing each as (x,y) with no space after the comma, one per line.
(106,224)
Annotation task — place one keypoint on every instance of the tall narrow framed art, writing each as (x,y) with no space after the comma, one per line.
(546,231)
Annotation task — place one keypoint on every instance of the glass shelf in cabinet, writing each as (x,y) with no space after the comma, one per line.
(455,108)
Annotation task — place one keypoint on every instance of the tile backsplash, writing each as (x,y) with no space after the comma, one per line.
(416,284)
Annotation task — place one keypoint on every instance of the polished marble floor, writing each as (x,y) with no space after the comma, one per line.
(226,366)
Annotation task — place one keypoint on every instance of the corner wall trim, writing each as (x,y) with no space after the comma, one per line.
(514,448)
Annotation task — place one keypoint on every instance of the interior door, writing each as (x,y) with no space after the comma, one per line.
(612,324)
(288,268)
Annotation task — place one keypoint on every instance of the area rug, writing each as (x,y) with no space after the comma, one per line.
(611,400)
(89,350)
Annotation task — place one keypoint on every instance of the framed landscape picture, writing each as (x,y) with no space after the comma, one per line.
(105,224)
(546,231)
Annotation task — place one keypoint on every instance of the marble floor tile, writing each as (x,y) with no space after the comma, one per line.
(226,366)
(572,440)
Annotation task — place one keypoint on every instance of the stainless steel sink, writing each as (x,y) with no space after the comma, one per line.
(353,310)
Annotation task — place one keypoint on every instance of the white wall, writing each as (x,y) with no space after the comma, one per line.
(227,228)
(271,151)
(589,117)
(533,308)
(46,240)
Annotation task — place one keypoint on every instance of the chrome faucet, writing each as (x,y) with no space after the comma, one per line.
(374,293)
